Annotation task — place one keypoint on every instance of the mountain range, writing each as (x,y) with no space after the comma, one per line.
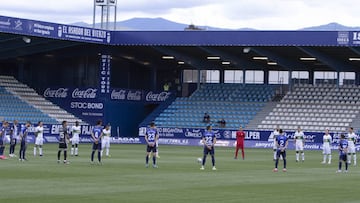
(161,24)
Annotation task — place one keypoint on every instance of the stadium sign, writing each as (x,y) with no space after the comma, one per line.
(140,95)
(53,30)
(84,103)
(89,93)
(55,93)
(255,139)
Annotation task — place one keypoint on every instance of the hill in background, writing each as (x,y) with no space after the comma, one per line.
(161,24)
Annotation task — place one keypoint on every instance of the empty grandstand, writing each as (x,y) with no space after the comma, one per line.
(315,108)
(20,102)
(237,104)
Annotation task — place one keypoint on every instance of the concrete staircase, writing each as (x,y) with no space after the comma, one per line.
(260,116)
(30,96)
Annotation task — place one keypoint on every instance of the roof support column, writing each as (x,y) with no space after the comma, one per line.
(290,81)
(311,77)
(266,77)
(244,78)
(357,78)
(198,79)
(153,78)
(222,73)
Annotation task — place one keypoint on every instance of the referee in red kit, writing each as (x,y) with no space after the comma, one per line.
(240,136)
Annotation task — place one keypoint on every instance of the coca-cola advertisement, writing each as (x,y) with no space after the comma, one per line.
(157,97)
(84,103)
(89,93)
(140,95)
(56,93)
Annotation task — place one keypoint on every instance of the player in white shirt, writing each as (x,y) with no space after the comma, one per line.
(105,142)
(275,134)
(75,139)
(299,138)
(39,140)
(327,140)
(352,138)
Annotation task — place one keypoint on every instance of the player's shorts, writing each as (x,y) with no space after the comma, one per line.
(75,140)
(274,146)
(96,146)
(62,145)
(351,149)
(105,143)
(13,141)
(240,144)
(151,149)
(281,153)
(343,157)
(209,151)
(299,146)
(326,150)
(23,145)
(39,141)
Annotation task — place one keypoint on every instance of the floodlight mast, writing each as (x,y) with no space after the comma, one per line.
(105,8)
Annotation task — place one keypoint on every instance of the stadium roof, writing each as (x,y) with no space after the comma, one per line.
(278,50)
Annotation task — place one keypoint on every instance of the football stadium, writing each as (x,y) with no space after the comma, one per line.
(296,81)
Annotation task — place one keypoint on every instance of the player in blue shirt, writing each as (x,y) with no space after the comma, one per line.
(151,138)
(23,141)
(96,136)
(281,144)
(3,133)
(209,140)
(343,150)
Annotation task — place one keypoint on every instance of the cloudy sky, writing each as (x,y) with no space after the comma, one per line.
(233,14)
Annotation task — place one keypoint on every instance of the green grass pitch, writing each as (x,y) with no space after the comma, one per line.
(124,178)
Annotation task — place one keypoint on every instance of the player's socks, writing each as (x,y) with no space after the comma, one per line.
(213,160)
(147,159)
(354,157)
(329,159)
(72,150)
(2,148)
(204,160)
(107,151)
(297,156)
(243,154)
(346,166)
(101,152)
(92,155)
(349,158)
(276,163)
(59,154)
(99,156)
(154,160)
(284,163)
(274,155)
(303,156)
(324,158)
(40,151)
(340,164)
(76,151)
(34,151)
(65,155)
